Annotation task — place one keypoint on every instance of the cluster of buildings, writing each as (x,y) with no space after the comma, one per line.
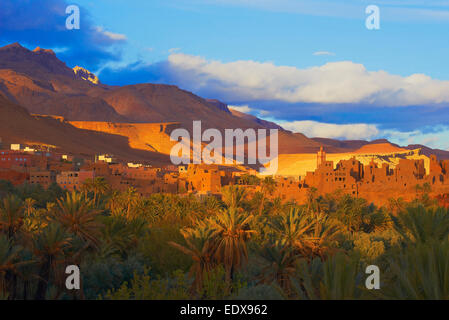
(20,164)
(39,165)
(375,183)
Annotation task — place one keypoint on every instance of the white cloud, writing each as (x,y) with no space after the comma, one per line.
(312,129)
(244,109)
(111,35)
(335,82)
(435,137)
(323,53)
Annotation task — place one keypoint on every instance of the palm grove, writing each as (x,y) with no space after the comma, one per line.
(245,246)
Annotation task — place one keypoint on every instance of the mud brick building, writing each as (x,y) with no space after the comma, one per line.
(44,178)
(374,183)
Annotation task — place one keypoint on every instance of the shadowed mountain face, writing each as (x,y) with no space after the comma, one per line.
(40,82)
(441,154)
(33,63)
(164,103)
(18,126)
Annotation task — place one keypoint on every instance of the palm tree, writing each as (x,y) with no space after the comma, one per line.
(293,227)
(419,224)
(10,263)
(337,278)
(396,205)
(114,201)
(418,272)
(233,196)
(78,216)
(312,199)
(323,236)
(121,235)
(131,199)
(29,206)
(281,265)
(268,188)
(231,230)
(213,205)
(11,216)
(200,247)
(98,186)
(50,245)
(257,203)
(277,206)
(353,213)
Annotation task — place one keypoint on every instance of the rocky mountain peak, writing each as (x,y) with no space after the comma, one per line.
(41,50)
(86,75)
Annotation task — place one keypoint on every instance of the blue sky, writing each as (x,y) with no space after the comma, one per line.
(311,65)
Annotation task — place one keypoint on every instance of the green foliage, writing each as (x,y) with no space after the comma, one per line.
(6,187)
(418,272)
(103,274)
(157,252)
(338,278)
(216,287)
(11,216)
(233,196)
(245,246)
(359,216)
(144,287)
(369,247)
(419,224)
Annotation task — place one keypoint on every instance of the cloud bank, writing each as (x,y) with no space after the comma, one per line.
(434,137)
(314,129)
(342,82)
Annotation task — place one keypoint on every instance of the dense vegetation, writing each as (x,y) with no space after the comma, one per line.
(241,247)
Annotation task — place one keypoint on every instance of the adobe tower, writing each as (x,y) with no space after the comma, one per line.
(321,157)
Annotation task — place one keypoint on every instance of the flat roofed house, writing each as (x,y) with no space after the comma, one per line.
(9,159)
(73,180)
(44,178)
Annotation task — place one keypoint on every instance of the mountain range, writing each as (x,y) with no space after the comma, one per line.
(35,84)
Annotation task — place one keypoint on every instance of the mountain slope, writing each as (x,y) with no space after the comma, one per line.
(18,126)
(264,123)
(441,154)
(40,82)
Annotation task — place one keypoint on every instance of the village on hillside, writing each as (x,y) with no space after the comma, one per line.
(38,165)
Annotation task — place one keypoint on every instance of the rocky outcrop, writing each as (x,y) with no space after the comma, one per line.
(86,75)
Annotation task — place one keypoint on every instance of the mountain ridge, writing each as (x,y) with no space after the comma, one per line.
(41,83)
